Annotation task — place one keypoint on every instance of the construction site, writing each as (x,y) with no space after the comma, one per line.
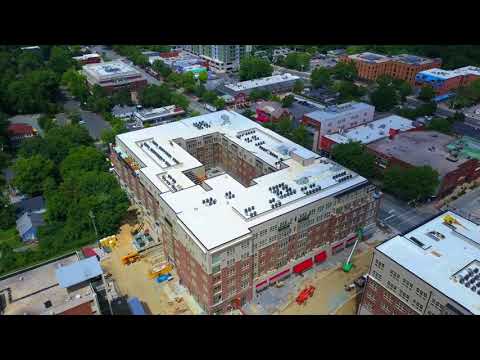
(327,289)
(140,271)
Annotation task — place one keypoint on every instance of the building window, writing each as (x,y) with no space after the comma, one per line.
(391,286)
(417,305)
(377,275)
(387,296)
(385,308)
(379,264)
(394,275)
(421,293)
(407,284)
(372,285)
(404,295)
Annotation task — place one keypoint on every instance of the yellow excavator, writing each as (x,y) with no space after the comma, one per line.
(450,220)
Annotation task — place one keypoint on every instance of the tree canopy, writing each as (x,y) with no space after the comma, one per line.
(297,61)
(321,77)
(288,100)
(426,93)
(31,172)
(384,97)
(353,155)
(416,183)
(252,67)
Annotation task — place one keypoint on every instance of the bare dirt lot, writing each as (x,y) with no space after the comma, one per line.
(330,297)
(133,280)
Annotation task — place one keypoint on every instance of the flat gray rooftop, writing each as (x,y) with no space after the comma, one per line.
(419,148)
(30,289)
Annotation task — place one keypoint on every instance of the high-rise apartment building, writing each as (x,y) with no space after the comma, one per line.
(221,58)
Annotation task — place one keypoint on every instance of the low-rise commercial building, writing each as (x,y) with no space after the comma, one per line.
(114,75)
(431,270)
(18,132)
(430,148)
(158,115)
(57,287)
(270,111)
(338,117)
(370,66)
(365,134)
(445,81)
(276,83)
(237,206)
(88,59)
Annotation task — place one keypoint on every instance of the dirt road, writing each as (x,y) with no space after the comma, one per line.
(330,295)
(132,280)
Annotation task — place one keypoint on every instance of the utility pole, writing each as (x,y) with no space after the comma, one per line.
(90,213)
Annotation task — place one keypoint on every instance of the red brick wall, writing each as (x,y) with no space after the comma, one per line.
(465,173)
(394,306)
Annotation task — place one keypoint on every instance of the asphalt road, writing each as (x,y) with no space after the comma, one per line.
(468,205)
(94,123)
(400,216)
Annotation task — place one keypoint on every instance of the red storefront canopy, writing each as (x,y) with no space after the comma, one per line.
(303,266)
(321,257)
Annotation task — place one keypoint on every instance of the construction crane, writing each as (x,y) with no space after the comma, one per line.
(347,266)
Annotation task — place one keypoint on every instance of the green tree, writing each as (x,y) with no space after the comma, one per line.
(440,124)
(76,84)
(7,213)
(122,97)
(287,101)
(203,76)
(416,183)
(347,90)
(426,93)
(252,67)
(83,158)
(161,68)
(353,155)
(180,101)
(219,103)
(404,90)
(249,113)
(300,135)
(174,79)
(297,61)
(28,61)
(30,173)
(257,94)
(344,71)
(298,87)
(320,77)
(156,96)
(384,98)
(60,59)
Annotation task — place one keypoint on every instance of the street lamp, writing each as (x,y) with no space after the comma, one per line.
(90,213)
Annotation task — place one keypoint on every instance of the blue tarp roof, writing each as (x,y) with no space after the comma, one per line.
(136,306)
(78,272)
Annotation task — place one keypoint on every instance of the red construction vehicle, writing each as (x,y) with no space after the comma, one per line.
(305,294)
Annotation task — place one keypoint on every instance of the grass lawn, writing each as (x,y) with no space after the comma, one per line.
(10,237)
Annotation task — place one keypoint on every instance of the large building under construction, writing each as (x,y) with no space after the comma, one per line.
(237,206)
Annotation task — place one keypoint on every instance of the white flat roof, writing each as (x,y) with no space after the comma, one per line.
(226,220)
(440,263)
(86,56)
(448,74)
(252,84)
(110,69)
(331,112)
(372,131)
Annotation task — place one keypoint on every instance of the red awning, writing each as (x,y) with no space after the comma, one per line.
(88,252)
(305,265)
(261,284)
(275,277)
(321,257)
(338,246)
(351,239)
